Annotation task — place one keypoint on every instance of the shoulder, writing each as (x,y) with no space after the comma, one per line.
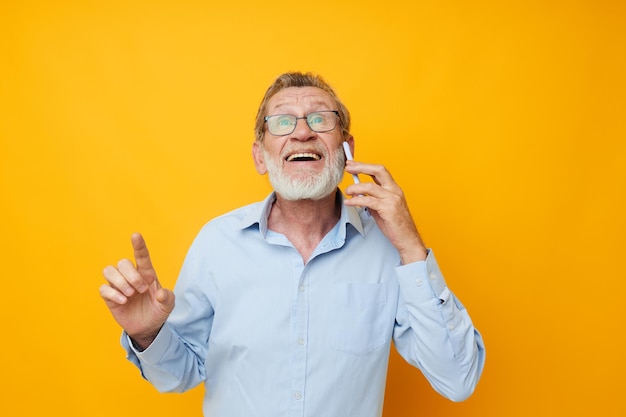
(232,222)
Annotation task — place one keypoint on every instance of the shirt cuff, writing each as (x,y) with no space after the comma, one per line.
(424,278)
(153,353)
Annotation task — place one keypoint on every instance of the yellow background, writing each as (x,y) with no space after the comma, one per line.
(504,121)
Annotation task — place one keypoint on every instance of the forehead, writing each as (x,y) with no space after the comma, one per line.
(301,97)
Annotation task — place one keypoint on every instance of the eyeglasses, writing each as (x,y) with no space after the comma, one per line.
(319,121)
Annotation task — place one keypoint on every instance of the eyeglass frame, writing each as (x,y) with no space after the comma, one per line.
(306,117)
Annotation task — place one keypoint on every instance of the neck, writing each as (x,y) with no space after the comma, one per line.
(304,222)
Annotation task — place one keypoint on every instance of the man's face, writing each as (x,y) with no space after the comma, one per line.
(303,164)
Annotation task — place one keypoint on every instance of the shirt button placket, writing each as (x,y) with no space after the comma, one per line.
(299,349)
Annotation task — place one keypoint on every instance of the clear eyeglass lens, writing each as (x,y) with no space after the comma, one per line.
(322,121)
(281,124)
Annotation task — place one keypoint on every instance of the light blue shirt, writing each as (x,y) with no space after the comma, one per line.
(271,336)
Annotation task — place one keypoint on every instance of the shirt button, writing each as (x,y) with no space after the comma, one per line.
(301,341)
(297,395)
(433,275)
(302,288)
(451,326)
(419,282)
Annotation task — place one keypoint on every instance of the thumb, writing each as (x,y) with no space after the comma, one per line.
(166,299)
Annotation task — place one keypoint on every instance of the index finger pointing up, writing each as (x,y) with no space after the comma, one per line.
(142,258)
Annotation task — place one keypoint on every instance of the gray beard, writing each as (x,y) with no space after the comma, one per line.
(307,185)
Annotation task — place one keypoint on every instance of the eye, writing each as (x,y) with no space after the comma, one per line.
(316,118)
(283,121)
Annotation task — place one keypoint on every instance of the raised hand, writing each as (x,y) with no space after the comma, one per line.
(387,204)
(134,296)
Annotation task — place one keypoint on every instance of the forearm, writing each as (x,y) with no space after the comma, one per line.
(168,363)
(414,251)
(435,332)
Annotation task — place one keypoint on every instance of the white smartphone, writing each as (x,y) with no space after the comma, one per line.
(346,150)
(355,177)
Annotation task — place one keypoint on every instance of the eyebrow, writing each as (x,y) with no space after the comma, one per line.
(317,102)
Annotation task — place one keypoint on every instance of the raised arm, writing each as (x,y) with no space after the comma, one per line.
(433,330)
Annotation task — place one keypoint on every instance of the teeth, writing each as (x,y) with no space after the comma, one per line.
(304,155)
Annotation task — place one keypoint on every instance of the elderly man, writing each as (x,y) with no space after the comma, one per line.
(288,307)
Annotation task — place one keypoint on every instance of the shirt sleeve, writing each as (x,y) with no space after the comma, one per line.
(167,363)
(434,331)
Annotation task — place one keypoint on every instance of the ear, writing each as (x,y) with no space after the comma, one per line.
(257,156)
(350,140)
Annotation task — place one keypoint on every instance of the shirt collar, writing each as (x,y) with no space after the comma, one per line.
(259,214)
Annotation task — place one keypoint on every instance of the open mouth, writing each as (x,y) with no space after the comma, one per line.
(303,157)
